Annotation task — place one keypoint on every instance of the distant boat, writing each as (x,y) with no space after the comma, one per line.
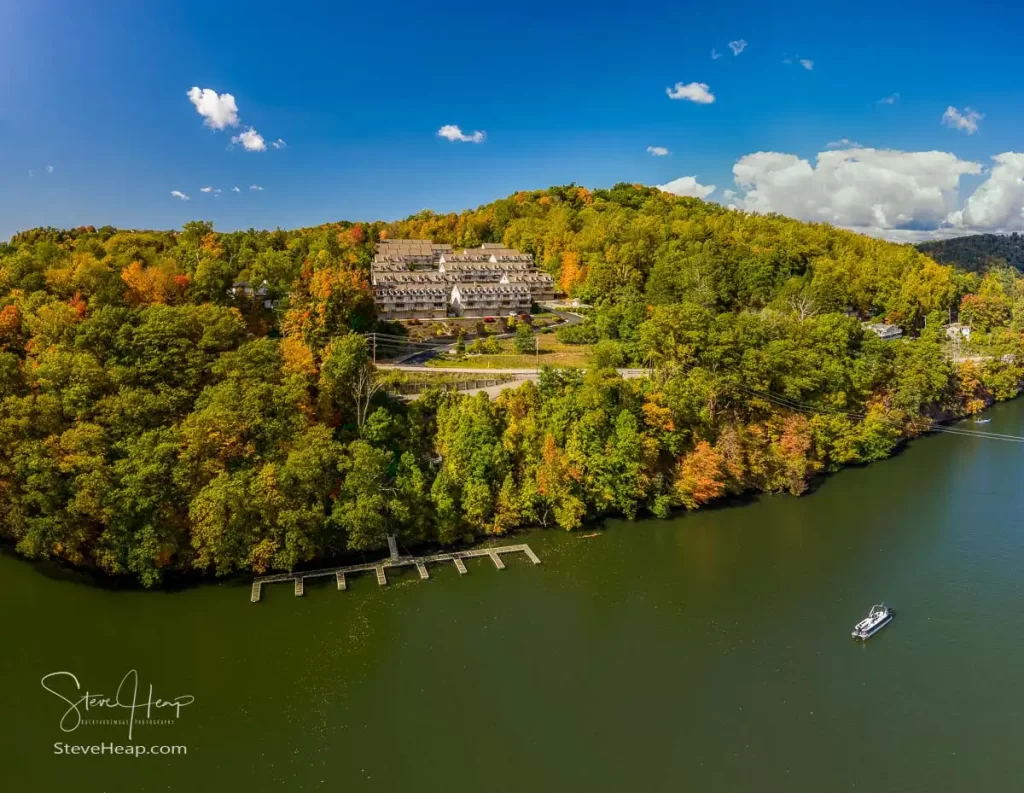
(982,421)
(878,618)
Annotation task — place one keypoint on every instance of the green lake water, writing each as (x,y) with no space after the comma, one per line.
(708,652)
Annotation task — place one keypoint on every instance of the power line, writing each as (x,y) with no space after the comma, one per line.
(803,407)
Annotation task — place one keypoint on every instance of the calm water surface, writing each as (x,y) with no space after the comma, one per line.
(709,652)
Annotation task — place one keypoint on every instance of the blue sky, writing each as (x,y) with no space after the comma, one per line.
(564,93)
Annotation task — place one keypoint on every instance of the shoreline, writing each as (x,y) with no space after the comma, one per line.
(180,580)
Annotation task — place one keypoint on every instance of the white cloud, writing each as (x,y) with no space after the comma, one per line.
(218,190)
(179,194)
(255,187)
(807,63)
(235,190)
(843,143)
(737,46)
(49,169)
(687,186)
(715,54)
(218,110)
(787,61)
(891,99)
(998,203)
(455,134)
(205,189)
(877,191)
(251,140)
(695,92)
(657,151)
(729,195)
(279,144)
(967,121)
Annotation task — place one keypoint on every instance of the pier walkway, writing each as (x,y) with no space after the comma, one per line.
(394,560)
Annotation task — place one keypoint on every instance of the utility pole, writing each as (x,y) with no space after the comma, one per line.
(536,351)
(373,337)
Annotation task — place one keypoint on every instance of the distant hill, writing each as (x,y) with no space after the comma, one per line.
(978,252)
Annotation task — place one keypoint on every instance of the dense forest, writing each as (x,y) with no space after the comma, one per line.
(153,418)
(978,252)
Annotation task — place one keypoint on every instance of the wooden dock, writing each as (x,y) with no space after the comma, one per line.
(393,561)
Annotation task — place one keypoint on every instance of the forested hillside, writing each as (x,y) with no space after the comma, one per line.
(153,418)
(978,252)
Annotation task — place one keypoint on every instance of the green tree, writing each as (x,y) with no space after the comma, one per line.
(524,339)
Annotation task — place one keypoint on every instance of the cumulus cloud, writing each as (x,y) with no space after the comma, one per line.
(255,187)
(49,169)
(694,92)
(179,194)
(455,134)
(737,46)
(205,189)
(876,191)
(218,110)
(843,143)
(279,144)
(998,203)
(891,99)
(251,140)
(967,121)
(688,186)
(807,63)
(657,151)
(235,190)
(715,54)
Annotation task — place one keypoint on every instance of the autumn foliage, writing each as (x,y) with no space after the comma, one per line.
(197,400)
(700,476)
(148,285)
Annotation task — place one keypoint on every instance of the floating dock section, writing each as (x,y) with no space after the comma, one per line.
(419,562)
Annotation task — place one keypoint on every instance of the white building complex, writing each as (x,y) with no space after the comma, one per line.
(420,279)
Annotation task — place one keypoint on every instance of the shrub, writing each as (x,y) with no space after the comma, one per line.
(584,333)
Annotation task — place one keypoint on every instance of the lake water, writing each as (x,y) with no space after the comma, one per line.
(709,652)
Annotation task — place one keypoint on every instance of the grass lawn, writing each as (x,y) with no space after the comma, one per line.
(552,353)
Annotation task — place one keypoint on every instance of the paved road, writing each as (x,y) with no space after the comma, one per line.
(416,362)
(626,373)
(521,376)
(420,358)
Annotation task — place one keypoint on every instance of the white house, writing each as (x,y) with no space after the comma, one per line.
(884,331)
